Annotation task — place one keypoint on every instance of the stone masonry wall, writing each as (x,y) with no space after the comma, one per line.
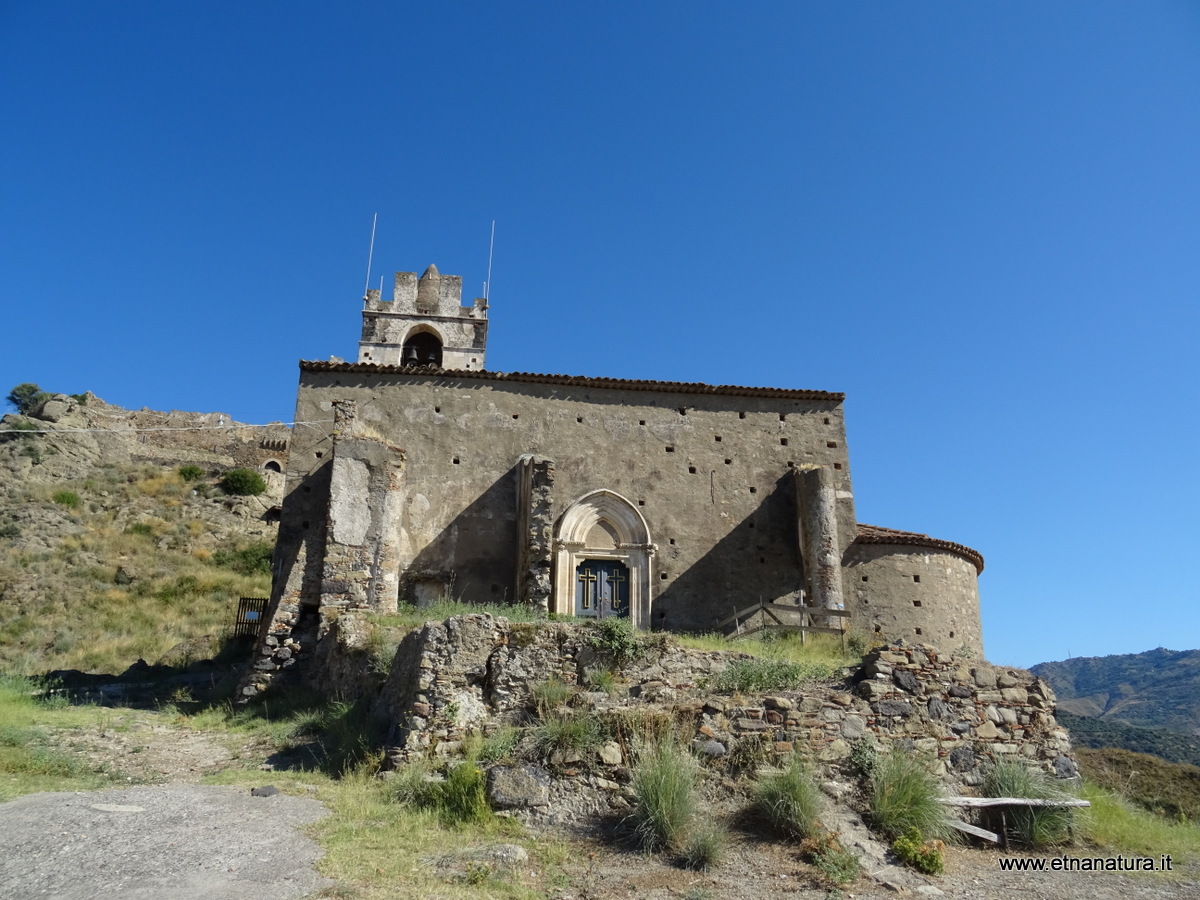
(917,594)
(472,673)
(709,472)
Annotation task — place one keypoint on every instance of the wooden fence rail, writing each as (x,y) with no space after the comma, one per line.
(770,617)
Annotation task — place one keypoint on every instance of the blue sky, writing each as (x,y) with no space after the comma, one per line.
(980,221)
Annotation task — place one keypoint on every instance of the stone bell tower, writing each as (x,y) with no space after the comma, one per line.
(424,324)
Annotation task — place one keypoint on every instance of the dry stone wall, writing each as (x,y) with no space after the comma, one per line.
(471,674)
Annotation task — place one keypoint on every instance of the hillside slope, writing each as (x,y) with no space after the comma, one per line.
(107,553)
(1156,689)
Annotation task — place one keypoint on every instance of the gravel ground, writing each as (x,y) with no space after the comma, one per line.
(161,842)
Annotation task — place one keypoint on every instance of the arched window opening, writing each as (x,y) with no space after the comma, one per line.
(422,349)
(273,466)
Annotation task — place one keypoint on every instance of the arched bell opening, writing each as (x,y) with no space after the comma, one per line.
(422,349)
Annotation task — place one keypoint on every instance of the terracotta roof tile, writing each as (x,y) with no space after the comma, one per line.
(622,384)
(877,534)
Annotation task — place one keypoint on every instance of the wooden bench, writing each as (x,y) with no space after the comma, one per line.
(1001,803)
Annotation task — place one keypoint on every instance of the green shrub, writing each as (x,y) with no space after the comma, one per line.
(903,795)
(913,850)
(498,745)
(864,756)
(243,483)
(704,847)
(140,528)
(789,801)
(457,800)
(579,731)
(66,498)
(750,675)
(602,680)
(1037,826)
(664,787)
(252,559)
(81,399)
(193,473)
(616,638)
(549,695)
(11,530)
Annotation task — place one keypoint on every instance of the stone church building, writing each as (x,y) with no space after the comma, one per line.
(675,504)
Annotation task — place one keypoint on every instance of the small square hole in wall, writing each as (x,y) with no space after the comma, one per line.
(917,630)
(751,524)
(864,578)
(729,462)
(827,420)
(641,503)
(791,464)
(579,419)
(670,449)
(516,415)
(782,417)
(741,415)
(455,460)
(641,421)
(754,490)
(916,603)
(691,470)
(683,410)
(917,579)
(717,438)
(831,443)
(320,453)
(952,634)
(783,442)
(437,409)
(837,465)
(672,541)
(878,628)
(662,576)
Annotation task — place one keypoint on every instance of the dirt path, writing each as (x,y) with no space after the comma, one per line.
(143,747)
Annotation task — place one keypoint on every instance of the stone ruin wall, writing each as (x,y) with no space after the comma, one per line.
(118,435)
(474,673)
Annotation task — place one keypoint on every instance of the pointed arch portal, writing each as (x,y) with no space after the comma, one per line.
(602,559)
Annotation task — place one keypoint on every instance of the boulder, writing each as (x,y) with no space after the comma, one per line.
(517,787)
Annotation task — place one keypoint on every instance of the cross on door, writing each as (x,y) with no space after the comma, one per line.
(602,588)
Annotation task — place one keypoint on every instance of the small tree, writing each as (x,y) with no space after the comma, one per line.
(26,396)
(243,482)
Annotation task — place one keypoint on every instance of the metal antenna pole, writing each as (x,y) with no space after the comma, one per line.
(487,285)
(370,254)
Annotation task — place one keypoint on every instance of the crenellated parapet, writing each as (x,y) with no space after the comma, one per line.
(424,324)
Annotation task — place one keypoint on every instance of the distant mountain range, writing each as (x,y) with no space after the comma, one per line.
(1146,702)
